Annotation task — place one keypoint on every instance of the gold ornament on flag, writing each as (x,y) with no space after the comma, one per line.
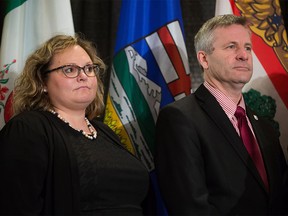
(266,22)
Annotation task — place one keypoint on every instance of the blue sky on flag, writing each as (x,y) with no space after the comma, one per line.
(145,17)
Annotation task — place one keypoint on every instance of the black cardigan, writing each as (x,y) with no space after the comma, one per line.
(49,155)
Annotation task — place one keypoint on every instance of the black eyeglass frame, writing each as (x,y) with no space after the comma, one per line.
(96,69)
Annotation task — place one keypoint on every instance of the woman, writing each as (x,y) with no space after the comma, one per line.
(54,158)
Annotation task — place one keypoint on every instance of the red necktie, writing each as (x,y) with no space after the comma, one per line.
(250,144)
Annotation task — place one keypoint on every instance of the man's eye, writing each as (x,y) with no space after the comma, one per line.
(231,46)
(249,48)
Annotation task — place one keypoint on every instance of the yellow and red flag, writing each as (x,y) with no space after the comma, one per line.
(267,92)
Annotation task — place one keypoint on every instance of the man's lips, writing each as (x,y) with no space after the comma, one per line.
(243,68)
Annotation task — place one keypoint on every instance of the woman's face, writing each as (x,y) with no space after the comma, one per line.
(71,93)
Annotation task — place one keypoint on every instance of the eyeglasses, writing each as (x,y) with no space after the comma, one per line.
(72,71)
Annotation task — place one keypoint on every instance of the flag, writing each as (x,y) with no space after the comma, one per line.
(27,24)
(267,91)
(150,69)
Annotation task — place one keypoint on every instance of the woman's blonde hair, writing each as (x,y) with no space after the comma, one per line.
(29,86)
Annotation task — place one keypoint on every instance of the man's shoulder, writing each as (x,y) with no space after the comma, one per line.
(184,106)
(200,94)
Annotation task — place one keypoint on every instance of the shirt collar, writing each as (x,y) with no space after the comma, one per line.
(225,102)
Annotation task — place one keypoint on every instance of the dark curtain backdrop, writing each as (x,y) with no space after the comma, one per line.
(98,19)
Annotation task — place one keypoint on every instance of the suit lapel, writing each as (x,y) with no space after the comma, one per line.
(213,109)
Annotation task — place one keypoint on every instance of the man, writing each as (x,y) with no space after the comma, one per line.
(204,163)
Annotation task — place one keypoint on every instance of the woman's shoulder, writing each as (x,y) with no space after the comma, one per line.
(29,116)
(35,120)
(27,127)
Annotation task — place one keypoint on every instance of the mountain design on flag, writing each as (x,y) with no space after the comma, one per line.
(145,75)
(150,90)
(145,90)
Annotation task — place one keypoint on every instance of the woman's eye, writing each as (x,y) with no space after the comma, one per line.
(90,68)
(69,69)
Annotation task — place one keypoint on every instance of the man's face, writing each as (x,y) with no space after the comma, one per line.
(230,64)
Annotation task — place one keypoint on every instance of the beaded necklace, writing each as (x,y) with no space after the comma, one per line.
(91,136)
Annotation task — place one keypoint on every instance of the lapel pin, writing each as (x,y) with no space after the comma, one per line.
(255,117)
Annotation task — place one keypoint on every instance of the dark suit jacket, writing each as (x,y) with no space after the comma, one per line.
(203,167)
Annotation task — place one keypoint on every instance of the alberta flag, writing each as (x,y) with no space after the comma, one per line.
(267,92)
(27,24)
(150,69)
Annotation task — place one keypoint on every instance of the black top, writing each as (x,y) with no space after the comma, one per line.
(112,181)
(49,168)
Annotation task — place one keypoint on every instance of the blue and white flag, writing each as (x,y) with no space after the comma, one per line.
(150,70)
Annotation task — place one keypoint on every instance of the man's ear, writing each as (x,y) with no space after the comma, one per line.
(202,59)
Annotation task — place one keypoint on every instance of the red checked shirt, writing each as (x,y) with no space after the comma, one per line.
(228,105)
